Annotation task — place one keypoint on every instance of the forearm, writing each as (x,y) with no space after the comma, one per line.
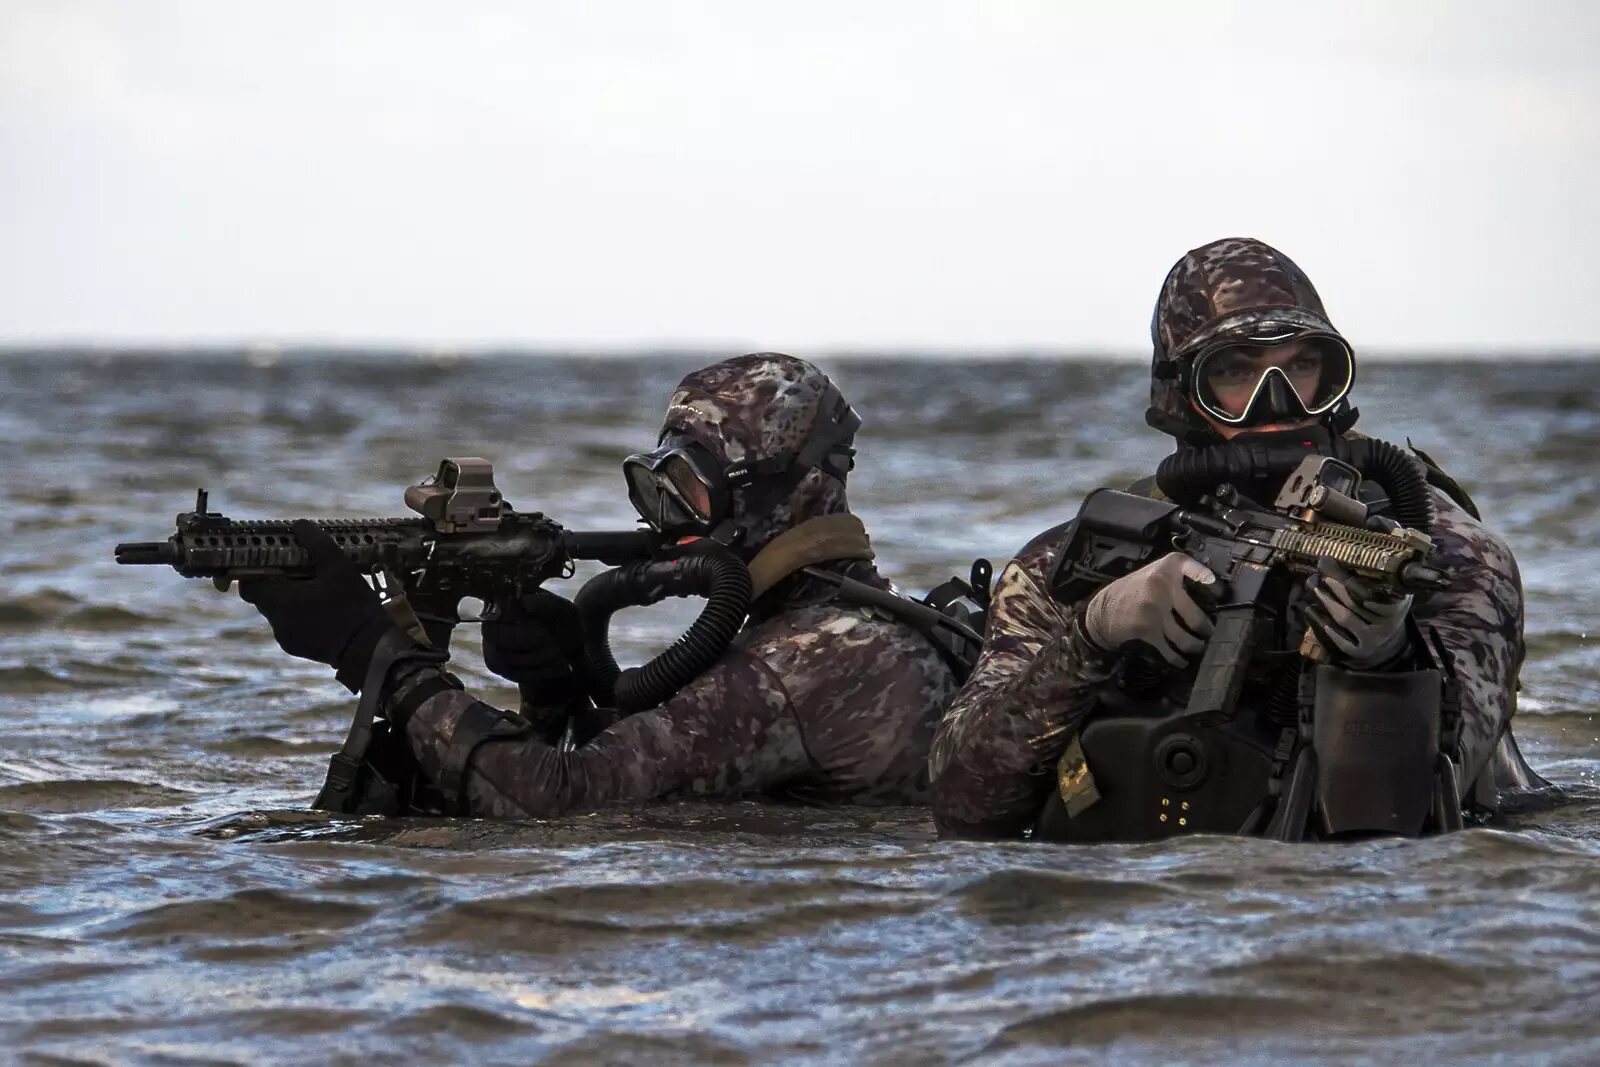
(514,777)
(728,732)
(995,752)
(1486,670)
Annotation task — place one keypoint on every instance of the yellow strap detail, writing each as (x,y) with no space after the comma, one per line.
(1075,780)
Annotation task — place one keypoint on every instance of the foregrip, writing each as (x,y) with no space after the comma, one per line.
(224,548)
(266,547)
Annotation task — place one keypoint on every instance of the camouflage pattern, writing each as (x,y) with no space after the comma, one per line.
(995,755)
(749,408)
(996,752)
(817,701)
(1224,287)
(1479,620)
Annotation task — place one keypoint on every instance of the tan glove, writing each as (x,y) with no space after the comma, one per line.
(1152,606)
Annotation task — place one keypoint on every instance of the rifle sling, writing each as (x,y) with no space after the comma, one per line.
(338,790)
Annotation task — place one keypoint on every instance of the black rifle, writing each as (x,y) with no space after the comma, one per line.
(1258,554)
(468,542)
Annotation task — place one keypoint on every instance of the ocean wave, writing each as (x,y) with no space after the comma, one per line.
(89,794)
(1023,895)
(245,915)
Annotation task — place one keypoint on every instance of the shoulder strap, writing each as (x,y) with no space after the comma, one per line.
(823,539)
(956,641)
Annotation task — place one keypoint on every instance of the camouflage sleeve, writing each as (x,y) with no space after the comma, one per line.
(730,731)
(1478,618)
(995,750)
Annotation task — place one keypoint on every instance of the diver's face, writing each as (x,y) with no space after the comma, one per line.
(1231,377)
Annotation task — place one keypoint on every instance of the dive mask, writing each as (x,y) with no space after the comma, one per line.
(681,489)
(678,488)
(1237,381)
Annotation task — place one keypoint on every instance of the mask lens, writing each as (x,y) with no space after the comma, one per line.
(1336,368)
(641,481)
(1229,380)
(649,495)
(674,487)
(691,489)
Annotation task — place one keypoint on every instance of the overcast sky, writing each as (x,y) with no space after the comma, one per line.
(799,175)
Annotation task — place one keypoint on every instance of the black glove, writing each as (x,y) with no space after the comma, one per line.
(538,643)
(1360,624)
(333,617)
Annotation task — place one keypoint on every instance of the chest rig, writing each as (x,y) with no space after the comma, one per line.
(1262,737)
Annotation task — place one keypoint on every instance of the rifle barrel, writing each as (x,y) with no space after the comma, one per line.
(612,547)
(139,553)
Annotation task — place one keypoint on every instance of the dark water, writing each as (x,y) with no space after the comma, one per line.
(166,898)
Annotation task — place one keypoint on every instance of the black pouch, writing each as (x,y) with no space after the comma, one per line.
(966,602)
(1376,738)
(1156,777)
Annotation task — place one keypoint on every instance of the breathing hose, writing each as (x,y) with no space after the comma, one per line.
(712,572)
(1190,473)
(1401,476)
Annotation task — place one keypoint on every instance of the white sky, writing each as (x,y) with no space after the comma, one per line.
(793,175)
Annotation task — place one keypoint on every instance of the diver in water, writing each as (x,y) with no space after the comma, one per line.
(818,698)
(1065,712)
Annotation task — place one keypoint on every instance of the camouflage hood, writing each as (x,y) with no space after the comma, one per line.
(751,408)
(1227,286)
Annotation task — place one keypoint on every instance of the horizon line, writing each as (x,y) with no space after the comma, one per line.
(267,352)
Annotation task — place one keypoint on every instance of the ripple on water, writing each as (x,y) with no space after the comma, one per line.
(245,915)
(1025,895)
(265,746)
(467,1023)
(648,1050)
(1373,973)
(1161,1018)
(569,918)
(89,794)
(33,610)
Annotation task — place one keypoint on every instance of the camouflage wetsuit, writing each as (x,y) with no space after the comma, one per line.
(816,701)
(994,758)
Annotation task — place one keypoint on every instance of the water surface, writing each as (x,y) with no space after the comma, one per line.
(166,896)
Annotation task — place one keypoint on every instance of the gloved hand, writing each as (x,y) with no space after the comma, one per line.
(1154,605)
(333,617)
(537,643)
(1357,622)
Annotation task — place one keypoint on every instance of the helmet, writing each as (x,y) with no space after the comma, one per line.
(749,447)
(1226,300)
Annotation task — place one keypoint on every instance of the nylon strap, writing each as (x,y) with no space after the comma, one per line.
(343,768)
(820,540)
(478,724)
